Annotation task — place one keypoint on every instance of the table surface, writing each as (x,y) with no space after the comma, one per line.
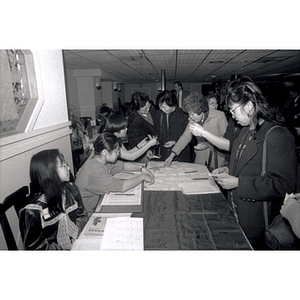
(175,221)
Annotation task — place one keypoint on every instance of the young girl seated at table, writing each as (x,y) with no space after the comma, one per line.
(96,176)
(55,214)
(117,124)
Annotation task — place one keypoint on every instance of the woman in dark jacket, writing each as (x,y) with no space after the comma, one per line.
(141,122)
(248,188)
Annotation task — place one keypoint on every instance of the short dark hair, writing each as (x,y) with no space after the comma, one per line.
(139,100)
(169,97)
(104,109)
(105,140)
(115,123)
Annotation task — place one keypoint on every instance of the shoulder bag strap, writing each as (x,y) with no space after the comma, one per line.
(263,172)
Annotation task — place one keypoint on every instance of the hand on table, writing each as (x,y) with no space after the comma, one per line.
(169,160)
(149,177)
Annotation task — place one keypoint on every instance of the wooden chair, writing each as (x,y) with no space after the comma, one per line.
(18,200)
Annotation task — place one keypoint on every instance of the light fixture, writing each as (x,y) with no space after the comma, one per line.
(158,85)
(98,83)
(115,86)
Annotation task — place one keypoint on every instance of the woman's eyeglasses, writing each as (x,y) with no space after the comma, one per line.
(233,110)
(64,165)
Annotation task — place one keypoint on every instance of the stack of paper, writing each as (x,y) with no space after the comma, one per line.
(201,186)
(92,235)
(123,234)
(123,202)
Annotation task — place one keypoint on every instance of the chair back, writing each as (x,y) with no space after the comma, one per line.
(18,199)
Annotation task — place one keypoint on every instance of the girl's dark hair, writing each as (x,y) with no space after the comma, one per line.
(169,97)
(115,123)
(45,180)
(139,100)
(242,91)
(105,140)
(195,103)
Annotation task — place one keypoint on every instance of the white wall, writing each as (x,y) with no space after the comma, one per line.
(49,129)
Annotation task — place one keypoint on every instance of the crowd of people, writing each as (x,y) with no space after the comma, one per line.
(178,126)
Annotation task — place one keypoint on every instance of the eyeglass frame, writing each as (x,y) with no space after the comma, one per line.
(233,110)
(64,165)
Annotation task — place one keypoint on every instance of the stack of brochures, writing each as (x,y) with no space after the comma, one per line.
(122,202)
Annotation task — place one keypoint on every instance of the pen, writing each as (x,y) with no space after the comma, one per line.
(125,194)
(191,172)
(199,178)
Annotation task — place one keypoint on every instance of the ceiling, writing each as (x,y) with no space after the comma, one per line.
(144,66)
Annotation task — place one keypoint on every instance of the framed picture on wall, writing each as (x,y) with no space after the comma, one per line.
(145,90)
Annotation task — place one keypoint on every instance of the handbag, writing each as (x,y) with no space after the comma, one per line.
(279,234)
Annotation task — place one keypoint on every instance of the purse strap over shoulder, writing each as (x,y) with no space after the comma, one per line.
(263,172)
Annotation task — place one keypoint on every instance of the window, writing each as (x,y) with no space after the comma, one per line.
(18,90)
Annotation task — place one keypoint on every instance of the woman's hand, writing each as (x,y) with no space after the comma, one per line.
(169,144)
(149,178)
(288,201)
(149,154)
(143,142)
(196,129)
(152,140)
(201,146)
(144,170)
(227,182)
(169,160)
(221,170)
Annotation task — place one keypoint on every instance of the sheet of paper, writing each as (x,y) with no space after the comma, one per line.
(206,186)
(130,197)
(87,244)
(169,178)
(92,234)
(123,234)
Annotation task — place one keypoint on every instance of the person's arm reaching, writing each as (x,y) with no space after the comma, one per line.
(218,141)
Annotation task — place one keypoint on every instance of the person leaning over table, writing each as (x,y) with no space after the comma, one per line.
(117,124)
(54,215)
(96,176)
(170,123)
(248,188)
(212,120)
